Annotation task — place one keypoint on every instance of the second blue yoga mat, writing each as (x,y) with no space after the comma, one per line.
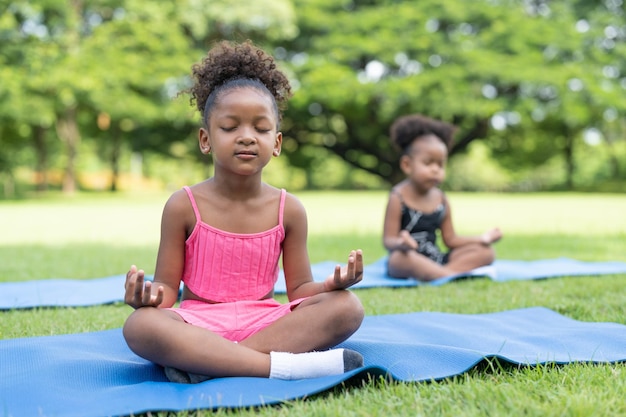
(79,293)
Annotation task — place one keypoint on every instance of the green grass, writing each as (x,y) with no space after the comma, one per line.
(93,236)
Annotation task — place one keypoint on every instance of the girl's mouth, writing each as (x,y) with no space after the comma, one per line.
(245,155)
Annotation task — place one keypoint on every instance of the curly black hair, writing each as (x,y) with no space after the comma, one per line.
(406,129)
(230,65)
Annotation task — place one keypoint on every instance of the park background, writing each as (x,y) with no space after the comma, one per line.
(94,137)
(89,91)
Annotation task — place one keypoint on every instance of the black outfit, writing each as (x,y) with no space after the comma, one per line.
(423,228)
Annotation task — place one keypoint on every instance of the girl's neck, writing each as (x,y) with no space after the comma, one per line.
(419,191)
(236,188)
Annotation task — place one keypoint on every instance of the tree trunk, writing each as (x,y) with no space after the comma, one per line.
(115,158)
(67,129)
(611,137)
(67,125)
(568,152)
(41,164)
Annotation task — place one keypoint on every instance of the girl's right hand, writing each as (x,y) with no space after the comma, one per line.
(406,241)
(139,292)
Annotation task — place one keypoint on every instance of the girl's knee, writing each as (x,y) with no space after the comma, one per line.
(351,310)
(138,327)
(485,254)
(489,255)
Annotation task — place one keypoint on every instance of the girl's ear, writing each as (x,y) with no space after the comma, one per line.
(203,141)
(278,144)
(405,164)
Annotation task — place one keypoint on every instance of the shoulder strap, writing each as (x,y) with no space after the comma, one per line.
(281,209)
(397,193)
(193,202)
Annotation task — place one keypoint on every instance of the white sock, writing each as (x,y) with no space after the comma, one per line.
(284,365)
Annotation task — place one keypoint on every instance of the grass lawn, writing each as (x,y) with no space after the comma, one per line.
(99,235)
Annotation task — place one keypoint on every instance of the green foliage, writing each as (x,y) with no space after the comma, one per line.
(528,79)
(529,69)
(476,171)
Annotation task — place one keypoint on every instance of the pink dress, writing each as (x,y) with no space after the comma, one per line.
(235,270)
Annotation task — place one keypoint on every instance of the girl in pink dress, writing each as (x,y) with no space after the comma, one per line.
(224,237)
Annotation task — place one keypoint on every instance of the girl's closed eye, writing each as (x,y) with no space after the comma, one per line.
(263,125)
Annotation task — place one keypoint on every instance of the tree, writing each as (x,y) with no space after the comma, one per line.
(509,64)
(137,58)
(27,113)
(109,69)
(529,78)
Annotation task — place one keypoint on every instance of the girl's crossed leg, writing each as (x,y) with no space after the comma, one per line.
(405,264)
(319,322)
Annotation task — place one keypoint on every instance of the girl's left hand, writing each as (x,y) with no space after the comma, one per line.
(347,276)
(491,236)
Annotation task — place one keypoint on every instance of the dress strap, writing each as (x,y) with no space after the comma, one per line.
(281,209)
(193,203)
(397,193)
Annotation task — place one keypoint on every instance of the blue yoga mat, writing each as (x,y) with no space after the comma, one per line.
(95,374)
(500,271)
(78,293)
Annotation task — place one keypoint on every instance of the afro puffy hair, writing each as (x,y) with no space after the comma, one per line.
(227,62)
(407,129)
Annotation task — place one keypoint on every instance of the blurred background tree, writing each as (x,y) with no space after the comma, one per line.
(89,90)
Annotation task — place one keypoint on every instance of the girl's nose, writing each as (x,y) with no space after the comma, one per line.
(247,136)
